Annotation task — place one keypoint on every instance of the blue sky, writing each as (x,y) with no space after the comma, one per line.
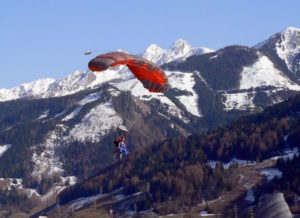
(47,38)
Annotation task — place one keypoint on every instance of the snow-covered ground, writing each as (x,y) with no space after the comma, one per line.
(250,196)
(58,187)
(263,73)
(17,183)
(96,123)
(205,213)
(44,115)
(288,154)
(73,114)
(85,201)
(239,101)
(47,163)
(88,99)
(271,173)
(288,48)
(4,148)
(185,82)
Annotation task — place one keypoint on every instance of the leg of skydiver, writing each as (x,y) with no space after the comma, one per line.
(125,151)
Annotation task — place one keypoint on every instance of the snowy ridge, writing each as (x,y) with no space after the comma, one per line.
(4,148)
(289,46)
(179,51)
(32,89)
(81,80)
(154,53)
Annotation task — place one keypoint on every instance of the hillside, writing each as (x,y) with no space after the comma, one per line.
(184,166)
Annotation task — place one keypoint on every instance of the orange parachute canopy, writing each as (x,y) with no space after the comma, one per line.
(152,77)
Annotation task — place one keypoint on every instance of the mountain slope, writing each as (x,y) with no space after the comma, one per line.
(175,166)
(284,48)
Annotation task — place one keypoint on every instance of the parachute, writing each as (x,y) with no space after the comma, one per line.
(151,76)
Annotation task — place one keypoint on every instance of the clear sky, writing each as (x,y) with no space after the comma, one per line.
(47,38)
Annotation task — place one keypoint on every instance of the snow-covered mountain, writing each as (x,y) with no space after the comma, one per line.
(179,51)
(26,90)
(81,80)
(286,46)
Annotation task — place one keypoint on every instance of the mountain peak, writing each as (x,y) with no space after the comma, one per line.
(290,29)
(153,53)
(153,47)
(286,46)
(181,44)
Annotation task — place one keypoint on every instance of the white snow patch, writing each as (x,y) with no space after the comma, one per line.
(271,173)
(44,115)
(90,98)
(96,123)
(119,197)
(59,114)
(70,179)
(4,148)
(250,196)
(73,114)
(18,184)
(31,192)
(239,101)
(263,73)
(83,202)
(185,82)
(214,57)
(212,163)
(288,154)
(58,187)
(205,213)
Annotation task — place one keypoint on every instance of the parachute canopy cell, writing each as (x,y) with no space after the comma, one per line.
(152,77)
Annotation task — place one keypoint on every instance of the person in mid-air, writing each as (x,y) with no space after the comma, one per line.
(122,147)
